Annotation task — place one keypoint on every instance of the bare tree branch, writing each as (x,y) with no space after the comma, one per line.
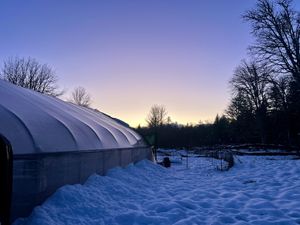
(28,73)
(157,116)
(276,27)
(252,81)
(81,97)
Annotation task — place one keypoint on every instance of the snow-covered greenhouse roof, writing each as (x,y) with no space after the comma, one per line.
(37,123)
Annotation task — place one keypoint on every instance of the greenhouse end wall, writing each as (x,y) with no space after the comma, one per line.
(36,177)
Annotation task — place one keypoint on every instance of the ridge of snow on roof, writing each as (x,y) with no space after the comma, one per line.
(38,123)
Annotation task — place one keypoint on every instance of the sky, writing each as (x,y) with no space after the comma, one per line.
(132,54)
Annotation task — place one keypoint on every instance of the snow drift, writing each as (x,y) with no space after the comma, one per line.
(257,190)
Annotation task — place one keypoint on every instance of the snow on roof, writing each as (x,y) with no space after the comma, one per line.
(38,123)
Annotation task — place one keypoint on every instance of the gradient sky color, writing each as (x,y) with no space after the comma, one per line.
(132,54)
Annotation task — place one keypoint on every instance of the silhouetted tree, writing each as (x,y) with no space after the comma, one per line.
(221,127)
(265,102)
(280,108)
(242,119)
(157,116)
(276,27)
(239,106)
(279,93)
(251,81)
(81,97)
(250,84)
(29,73)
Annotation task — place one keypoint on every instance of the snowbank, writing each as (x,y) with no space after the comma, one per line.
(260,190)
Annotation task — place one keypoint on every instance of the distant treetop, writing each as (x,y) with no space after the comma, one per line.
(29,73)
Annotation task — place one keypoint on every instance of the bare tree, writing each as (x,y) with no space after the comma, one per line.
(157,116)
(155,119)
(251,81)
(251,85)
(29,73)
(276,27)
(279,93)
(81,97)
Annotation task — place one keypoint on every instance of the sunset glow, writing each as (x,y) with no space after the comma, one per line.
(130,55)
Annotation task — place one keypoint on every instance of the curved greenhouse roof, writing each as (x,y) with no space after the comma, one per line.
(38,123)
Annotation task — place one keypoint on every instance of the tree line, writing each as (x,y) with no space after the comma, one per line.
(265,98)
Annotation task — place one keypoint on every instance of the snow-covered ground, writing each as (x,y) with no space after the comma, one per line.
(257,190)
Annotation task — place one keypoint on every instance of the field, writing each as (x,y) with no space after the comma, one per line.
(257,190)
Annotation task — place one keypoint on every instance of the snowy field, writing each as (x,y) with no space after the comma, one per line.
(257,190)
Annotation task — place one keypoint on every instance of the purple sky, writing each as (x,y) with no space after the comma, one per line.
(130,55)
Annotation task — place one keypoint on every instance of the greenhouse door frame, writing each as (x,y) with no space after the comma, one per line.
(6,178)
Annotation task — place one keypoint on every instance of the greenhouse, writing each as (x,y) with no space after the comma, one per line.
(51,143)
